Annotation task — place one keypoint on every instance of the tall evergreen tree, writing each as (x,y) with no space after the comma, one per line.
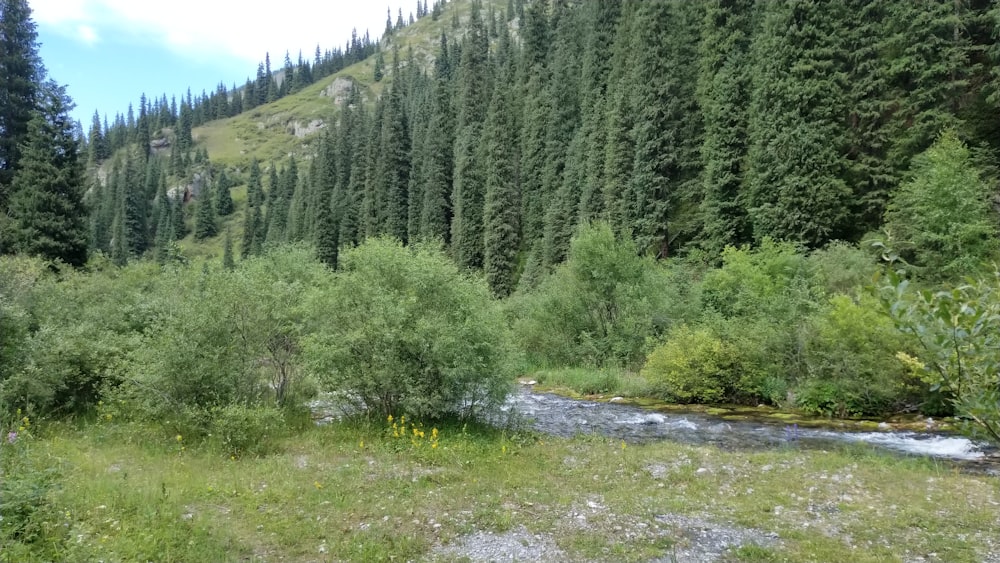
(435,213)
(47,204)
(502,207)
(327,231)
(468,186)
(205,226)
(394,157)
(20,74)
(796,167)
(223,196)
(252,221)
(723,97)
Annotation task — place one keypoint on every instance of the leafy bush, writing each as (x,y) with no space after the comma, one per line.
(775,281)
(598,309)
(959,335)
(692,366)
(850,357)
(403,331)
(246,431)
(230,337)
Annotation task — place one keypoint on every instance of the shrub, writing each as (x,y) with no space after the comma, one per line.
(692,366)
(246,431)
(403,331)
(229,337)
(850,358)
(599,308)
(959,335)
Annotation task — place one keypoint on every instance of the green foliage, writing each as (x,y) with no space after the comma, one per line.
(46,209)
(958,331)
(247,431)
(402,330)
(851,365)
(692,365)
(25,488)
(599,308)
(233,339)
(773,281)
(942,219)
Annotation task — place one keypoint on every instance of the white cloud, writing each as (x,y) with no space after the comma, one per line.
(87,34)
(220,29)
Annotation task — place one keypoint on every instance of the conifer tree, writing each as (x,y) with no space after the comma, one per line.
(204,226)
(535,101)
(327,231)
(394,157)
(435,213)
(177,217)
(596,67)
(796,167)
(223,196)
(723,97)
(468,184)
(227,252)
(252,219)
(21,72)
(379,70)
(47,205)
(502,207)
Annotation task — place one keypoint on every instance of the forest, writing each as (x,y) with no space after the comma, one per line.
(776,203)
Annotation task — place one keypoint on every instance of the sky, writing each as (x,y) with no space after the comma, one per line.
(108,52)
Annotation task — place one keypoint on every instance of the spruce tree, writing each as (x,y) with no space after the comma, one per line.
(596,67)
(227,252)
(223,196)
(252,220)
(723,97)
(327,231)
(204,226)
(468,184)
(502,207)
(796,164)
(47,208)
(435,213)
(394,159)
(20,74)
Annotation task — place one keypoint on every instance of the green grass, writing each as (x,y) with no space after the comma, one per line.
(353,492)
(593,381)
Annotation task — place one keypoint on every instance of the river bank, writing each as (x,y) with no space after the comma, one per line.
(354,491)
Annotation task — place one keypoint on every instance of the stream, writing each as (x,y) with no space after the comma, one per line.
(566,417)
(562,416)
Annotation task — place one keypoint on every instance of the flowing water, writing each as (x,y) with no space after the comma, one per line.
(563,416)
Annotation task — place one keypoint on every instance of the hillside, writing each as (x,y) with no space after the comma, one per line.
(288,126)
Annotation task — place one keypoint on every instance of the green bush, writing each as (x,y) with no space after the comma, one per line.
(227,337)
(959,334)
(247,431)
(403,331)
(850,358)
(692,366)
(597,309)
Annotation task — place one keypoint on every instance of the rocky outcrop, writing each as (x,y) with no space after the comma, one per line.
(339,89)
(299,130)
